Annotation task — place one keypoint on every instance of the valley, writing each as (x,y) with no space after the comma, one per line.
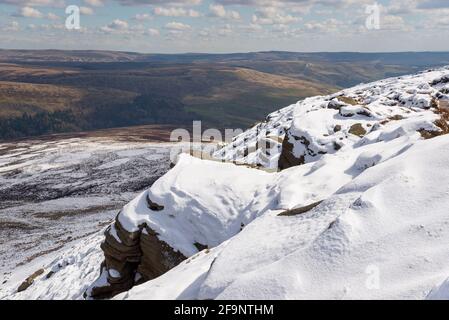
(51,91)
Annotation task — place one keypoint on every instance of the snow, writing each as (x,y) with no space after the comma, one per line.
(72,270)
(54,191)
(440,292)
(373,106)
(381,193)
(365,227)
(189,275)
(196,209)
(378,229)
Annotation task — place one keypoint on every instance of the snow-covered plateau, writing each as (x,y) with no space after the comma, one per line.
(358,209)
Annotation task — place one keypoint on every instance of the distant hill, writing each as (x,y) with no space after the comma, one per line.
(52,91)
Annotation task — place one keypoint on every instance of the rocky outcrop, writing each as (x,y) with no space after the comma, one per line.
(30,280)
(301,210)
(287,159)
(441,108)
(357,129)
(132,258)
(157,256)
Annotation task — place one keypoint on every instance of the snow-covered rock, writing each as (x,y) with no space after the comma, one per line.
(359,211)
(323,125)
(331,142)
(382,235)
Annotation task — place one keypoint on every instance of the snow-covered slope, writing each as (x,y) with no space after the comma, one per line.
(382,235)
(323,125)
(63,275)
(59,189)
(360,210)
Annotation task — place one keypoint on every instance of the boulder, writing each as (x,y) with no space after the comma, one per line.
(30,280)
(131,258)
(357,129)
(287,159)
(301,210)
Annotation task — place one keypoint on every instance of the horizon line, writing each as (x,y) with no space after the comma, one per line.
(225,53)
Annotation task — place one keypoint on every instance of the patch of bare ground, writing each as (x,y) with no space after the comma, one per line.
(5,224)
(76,212)
(145,133)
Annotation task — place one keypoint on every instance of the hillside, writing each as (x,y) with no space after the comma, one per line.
(57,189)
(74,99)
(357,180)
(54,91)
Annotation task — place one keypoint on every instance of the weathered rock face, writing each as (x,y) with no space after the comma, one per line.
(357,129)
(157,256)
(131,258)
(287,159)
(29,281)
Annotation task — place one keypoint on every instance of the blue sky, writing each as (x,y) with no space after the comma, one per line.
(172,26)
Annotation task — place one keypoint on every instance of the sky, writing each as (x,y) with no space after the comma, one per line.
(220,26)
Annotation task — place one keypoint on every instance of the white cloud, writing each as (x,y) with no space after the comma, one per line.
(153,32)
(52,16)
(34,3)
(204,34)
(86,11)
(177,26)
(400,7)
(116,26)
(290,3)
(194,14)
(11,27)
(391,22)
(225,30)
(94,3)
(254,27)
(119,24)
(443,21)
(160,2)
(176,12)
(273,15)
(29,12)
(330,25)
(219,11)
(143,16)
